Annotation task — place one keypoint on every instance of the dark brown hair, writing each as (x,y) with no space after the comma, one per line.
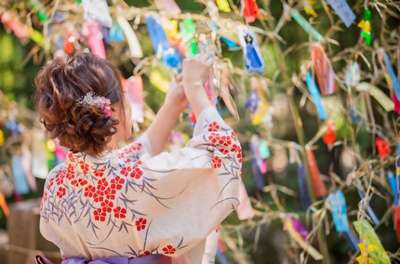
(58,87)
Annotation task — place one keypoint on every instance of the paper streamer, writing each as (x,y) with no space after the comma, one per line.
(305,198)
(261,113)
(371,247)
(392,76)
(343,10)
(27,166)
(351,240)
(226,94)
(312,88)
(189,30)
(18,28)
(392,182)
(20,181)
(135,49)
(304,24)
(318,185)
(3,205)
(383,148)
(95,39)
(369,209)
(323,70)
(223,6)
(330,134)
(308,7)
(169,6)
(252,101)
(69,42)
(97,10)
(379,96)
(300,240)
(396,194)
(253,58)
(116,33)
(244,210)
(366,27)
(353,76)
(339,212)
(258,163)
(1,138)
(250,10)
(221,257)
(134,93)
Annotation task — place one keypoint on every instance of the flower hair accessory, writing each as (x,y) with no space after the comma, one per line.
(100,102)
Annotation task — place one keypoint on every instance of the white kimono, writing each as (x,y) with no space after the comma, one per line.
(129,203)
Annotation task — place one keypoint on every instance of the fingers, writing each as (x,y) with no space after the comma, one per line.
(179,78)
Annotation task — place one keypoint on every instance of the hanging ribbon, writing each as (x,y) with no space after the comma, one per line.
(39,154)
(97,10)
(20,180)
(393,78)
(396,194)
(323,70)
(305,198)
(69,42)
(369,209)
(383,148)
(221,257)
(95,39)
(304,23)
(318,185)
(371,247)
(27,166)
(296,236)
(259,165)
(312,88)
(20,30)
(261,113)
(244,210)
(135,49)
(253,59)
(223,6)
(366,27)
(188,32)
(40,13)
(1,138)
(169,6)
(3,205)
(116,33)
(330,135)
(308,7)
(250,9)
(161,43)
(134,93)
(352,74)
(343,10)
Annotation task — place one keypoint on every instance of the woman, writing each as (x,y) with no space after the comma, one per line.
(135,204)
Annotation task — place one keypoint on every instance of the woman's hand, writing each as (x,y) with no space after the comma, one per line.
(195,72)
(176,97)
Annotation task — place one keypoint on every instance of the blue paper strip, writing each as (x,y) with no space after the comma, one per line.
(20,181)
(351,240)
(231,44)
(312,88)
(392,182)
(343,10)
(305,198)
(338,209)
(392,75)
(369,209)
(221,257)
(264,149)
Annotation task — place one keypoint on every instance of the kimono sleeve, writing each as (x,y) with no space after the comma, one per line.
(137,148)
(192,190)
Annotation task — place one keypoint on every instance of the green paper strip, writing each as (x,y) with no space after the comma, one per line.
(368,235)
(379,96)
(305,25)
(37,37)
(188,32)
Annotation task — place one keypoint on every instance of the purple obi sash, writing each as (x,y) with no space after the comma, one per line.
(150,259)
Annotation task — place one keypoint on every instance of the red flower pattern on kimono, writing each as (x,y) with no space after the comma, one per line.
(140,224)
(169,250)
(117,183)
(90,190)
(107,206)
(99,215)
(119,212)
(216,162)
(61,192)
(213,127)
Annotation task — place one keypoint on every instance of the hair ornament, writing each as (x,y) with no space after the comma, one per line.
(91,99)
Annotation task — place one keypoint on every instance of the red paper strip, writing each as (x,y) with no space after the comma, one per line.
(20,30)
(330,134)
(383,148)
(318,185)
(251,11)
(95,39)
(323,70)
(396,220)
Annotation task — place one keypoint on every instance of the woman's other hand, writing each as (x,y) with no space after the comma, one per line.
(176,97)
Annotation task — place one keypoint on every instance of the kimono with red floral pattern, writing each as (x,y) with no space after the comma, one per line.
(130,203)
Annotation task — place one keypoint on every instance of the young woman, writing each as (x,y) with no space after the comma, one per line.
(135,204)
